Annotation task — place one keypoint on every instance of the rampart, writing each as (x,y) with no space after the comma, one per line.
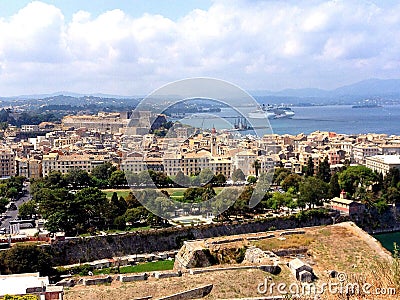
(84,249)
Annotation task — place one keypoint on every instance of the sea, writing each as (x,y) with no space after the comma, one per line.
(388,239)
(334,118)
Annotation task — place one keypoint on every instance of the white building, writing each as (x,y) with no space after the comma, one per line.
(383,163)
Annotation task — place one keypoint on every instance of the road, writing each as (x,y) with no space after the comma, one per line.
(12,214)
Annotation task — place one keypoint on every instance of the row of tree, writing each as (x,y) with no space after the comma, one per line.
(10,189)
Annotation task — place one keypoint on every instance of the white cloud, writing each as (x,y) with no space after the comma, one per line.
(256,44)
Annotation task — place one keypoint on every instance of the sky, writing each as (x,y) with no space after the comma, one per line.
(133,47)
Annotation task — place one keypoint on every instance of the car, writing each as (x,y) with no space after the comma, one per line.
(12,206)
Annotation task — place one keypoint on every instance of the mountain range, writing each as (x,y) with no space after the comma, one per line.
(380,89)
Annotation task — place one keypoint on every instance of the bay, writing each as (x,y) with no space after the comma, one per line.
(334,118)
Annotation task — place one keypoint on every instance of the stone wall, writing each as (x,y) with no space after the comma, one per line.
(84,249)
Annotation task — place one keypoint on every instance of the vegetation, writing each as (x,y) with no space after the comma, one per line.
(24,297)
(25,259)
(160,265)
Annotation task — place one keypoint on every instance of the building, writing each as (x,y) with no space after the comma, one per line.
(383,163)
(64,163)
(7,163)
(29,128)
(30,283)
(347,206)
(362,151)
(245,161)
(103,122)
(28,167)
(301,270)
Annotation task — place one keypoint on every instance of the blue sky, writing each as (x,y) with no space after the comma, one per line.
(134,47)
(173,9)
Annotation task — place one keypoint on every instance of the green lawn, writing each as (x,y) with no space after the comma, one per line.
(160,265)
(123,192)
(175,193)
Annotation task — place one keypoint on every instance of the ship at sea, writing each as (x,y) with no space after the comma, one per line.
(366,106)
(272,112)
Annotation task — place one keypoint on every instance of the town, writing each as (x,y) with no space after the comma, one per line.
(118,172)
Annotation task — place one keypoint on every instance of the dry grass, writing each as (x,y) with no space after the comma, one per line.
(289,242)
(330,248)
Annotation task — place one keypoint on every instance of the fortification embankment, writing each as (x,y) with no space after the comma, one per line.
(83,249)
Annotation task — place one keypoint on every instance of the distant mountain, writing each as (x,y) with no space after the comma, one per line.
(66,94)
(377,88)
(383,88)
(370,87)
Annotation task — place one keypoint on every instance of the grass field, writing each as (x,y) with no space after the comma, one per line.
(160,265)
(175,193)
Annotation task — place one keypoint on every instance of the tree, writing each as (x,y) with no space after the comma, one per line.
(26,259)
(392,195)
(23,297)
(220,179)
(208,193)
(136,215)
(144,178)
(27,210)
(12,193)
(78,178)
(324,170)
(3,204)
(193,194)
(291,181)
(118,205)
(238,175)
(279,199)
(181,179)
(279,175)
(58,207)
(313,191)
(160,179)
(206,176)
(251,179)
(309,171)
(94,207)
(334,187)
(392,178)
(132,201)
(356,177)
(257,166)
(54,180)
(117,179)
(103,171)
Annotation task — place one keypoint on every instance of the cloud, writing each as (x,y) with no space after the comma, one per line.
(256,44)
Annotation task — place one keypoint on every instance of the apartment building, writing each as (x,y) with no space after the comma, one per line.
(29,167)
(7,163)
(383,163)
(64,163)
(362,151)
(29,128)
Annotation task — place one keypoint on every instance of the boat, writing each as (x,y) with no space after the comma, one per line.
(366,106)
(283,112)
(272,112)
(261,114)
